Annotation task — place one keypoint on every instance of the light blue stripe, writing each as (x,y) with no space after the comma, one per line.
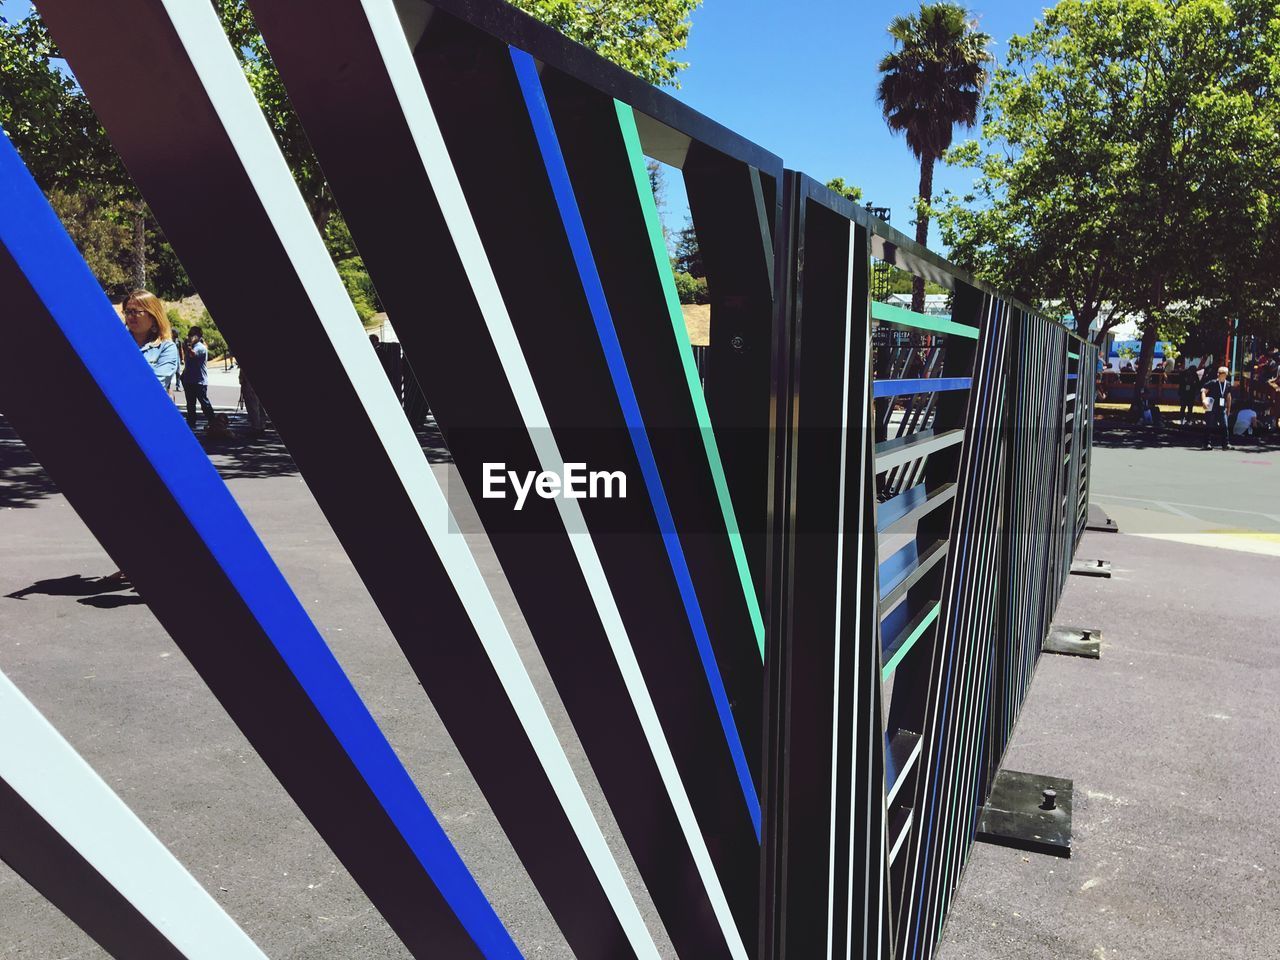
(553,158)
(43,251)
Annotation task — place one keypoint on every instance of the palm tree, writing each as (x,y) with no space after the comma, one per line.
(929,82)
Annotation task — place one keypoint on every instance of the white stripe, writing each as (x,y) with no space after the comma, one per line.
(906,829)
(215,62)
(835,679)
(874,729)
(1198,506)
(62,788)
(421,119)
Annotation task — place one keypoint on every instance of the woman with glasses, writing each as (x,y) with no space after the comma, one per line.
(145,317)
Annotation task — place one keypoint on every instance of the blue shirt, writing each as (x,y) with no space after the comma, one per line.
(196,370)
(163,357)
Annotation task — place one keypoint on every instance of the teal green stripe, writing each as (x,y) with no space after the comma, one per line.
(887,313)
(887,670)
(631,136)
(1073,356)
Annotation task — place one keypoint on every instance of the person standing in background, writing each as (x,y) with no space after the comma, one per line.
(145,319)
(1216,397)
(1188,386)
(195,377)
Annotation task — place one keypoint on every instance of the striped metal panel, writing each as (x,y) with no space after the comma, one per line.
(795,653)
(421,575)
(260,655)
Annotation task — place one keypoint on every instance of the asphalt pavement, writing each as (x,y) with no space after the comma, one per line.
(1171,742)
(1170,738)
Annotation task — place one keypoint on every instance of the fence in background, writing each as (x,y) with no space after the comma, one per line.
(798,647)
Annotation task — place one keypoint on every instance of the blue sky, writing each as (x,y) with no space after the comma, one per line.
(799,77)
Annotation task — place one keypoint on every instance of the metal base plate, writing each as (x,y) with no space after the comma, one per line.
(1099,521)
(1016,815)
(1074,642)
(1091,568)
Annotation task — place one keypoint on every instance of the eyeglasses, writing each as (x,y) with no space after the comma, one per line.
(135,313)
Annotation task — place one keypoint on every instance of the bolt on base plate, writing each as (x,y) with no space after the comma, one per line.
(1028,811)
(1099,521)
(1074,642)
(1091,568)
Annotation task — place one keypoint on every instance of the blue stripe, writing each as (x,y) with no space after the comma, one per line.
(895,508)
(893,623)
(1072,376)
(894,569)
(558,173)
(898,388)
(45,254)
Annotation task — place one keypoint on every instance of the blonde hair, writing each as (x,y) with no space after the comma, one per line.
(148,301)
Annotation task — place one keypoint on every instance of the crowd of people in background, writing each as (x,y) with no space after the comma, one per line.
(1229,409)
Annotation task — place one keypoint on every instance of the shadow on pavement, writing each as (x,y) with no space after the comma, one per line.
(22,479)
(90,591)
(107,602)
(75,585)
(1120,434)
(243,456)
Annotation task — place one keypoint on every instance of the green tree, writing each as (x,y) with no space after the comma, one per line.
(1129,157)
(48,119)
(46,115)
(691,289)
(687,257)
(104,238)
(269,90)
(639,35)
(931,81)
(846,190)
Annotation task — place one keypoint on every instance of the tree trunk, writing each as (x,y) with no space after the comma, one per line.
(1084,321)
(138,268)
(922,226)
(1150,334)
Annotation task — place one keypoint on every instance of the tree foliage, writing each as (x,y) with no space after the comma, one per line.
(46,115)
(95,226)
(639,35)
(846,190)
(687,256)
(49,120)
(931,81)
(1129,157)
(263,76)
(690,289)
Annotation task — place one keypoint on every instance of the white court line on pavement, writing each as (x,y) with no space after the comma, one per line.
(1193,506)
(1177,511)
